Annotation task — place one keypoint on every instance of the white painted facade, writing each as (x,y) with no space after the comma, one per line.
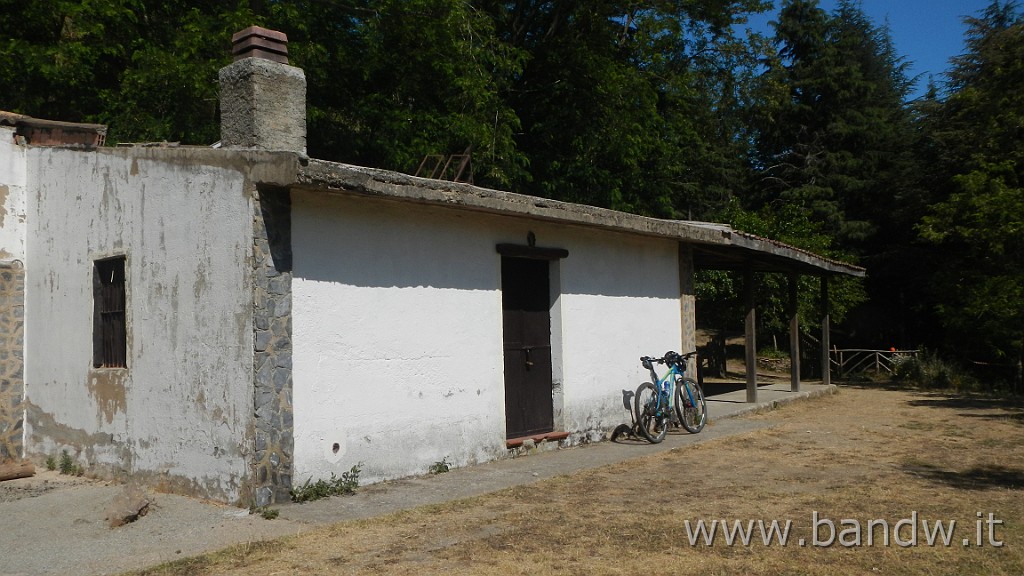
(12,197)
(397,331)
(396,321)
(178,414)
(386,322)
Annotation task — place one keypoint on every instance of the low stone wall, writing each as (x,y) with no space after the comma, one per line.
(12,386)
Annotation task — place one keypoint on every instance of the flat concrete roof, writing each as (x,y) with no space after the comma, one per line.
(716,246)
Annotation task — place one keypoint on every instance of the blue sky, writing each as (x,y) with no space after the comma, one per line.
(926,32)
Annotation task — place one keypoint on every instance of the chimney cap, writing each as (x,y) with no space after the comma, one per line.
(259,42)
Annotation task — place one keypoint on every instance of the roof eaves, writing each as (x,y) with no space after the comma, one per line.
(12,119)
(357,180)
(338,178)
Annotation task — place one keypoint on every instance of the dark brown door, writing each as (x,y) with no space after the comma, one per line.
(526,303)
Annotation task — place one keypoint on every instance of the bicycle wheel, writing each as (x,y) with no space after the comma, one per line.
(651,419)
(692,414)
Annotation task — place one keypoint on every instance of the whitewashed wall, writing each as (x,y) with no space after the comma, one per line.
(620,301)
(398,331)
(178,414)
(12,197)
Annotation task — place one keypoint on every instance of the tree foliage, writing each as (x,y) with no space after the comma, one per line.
(656,107)
(833,131)
(391,81)
(148,69)
(979,223)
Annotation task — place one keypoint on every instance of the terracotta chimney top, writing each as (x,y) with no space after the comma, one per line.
(262,97)
(257,42)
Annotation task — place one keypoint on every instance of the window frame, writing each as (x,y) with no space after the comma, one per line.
(110,312)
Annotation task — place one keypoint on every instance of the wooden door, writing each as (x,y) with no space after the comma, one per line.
(526,303)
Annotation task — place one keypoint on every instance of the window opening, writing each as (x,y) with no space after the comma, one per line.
(110,330)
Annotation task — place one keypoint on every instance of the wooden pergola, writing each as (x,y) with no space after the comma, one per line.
(750,255)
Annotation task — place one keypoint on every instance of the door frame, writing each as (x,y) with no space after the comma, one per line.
(553,256)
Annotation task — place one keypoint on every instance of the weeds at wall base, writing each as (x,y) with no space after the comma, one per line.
(336,486)
(440,467)
(265,512)
(66,465)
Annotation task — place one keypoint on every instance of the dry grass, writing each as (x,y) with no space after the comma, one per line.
(862,454)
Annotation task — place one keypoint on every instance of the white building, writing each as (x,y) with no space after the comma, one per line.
(227,322)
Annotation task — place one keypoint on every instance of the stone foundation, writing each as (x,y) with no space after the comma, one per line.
(12,385)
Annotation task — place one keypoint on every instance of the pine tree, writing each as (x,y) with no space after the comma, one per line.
(834,134)
(978,226)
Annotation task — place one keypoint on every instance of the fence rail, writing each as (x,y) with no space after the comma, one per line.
(853,361)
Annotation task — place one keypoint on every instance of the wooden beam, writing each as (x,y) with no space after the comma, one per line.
(687,306)
(12,470)
(826,371)
(794,334)
(750,341)
(532,252)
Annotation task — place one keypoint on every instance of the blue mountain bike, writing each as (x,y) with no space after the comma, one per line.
(672,399)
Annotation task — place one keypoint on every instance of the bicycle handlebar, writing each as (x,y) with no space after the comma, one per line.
(669,356)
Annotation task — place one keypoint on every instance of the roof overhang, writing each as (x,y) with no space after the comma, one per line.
(716,246)
(53,133)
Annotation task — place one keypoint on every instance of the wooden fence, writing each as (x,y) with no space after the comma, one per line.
(854,361)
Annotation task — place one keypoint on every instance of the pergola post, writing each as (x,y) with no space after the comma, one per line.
(751,335)
(794,335)
(826,369)
(687,306)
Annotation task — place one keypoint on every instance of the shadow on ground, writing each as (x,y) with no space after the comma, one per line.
(937,400)
(1013,406)
(982,407)
(977,478)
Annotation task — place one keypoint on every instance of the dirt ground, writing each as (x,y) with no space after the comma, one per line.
(886,457)
(55,524)
(43,482)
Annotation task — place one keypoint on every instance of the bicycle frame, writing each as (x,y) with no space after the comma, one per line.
(666,384)
(656,406)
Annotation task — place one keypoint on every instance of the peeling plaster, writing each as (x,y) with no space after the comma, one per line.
(181,416)
(4,192)
(107,387)
(48,435)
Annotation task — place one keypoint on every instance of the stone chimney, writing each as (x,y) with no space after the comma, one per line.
(262,98)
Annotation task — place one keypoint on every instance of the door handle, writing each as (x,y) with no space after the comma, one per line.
(529,363)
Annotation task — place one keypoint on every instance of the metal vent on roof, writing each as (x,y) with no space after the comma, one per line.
(453,167)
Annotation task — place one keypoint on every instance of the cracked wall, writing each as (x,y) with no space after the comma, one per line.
(179,416)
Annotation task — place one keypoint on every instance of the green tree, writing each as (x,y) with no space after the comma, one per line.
(391,81)
(617,101)
(834,134)
(833,146)
(148,69)
(721,293)
(978,226)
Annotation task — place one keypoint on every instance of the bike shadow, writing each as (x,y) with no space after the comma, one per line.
(626,433)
